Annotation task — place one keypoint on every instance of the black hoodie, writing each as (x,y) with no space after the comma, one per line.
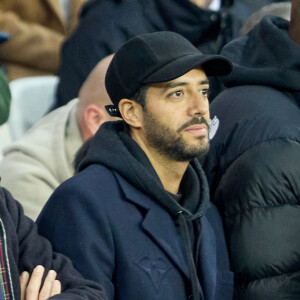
(123,155)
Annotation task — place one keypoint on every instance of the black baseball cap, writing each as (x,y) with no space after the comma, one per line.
(156,57)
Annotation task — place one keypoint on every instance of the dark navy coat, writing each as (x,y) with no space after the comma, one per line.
(118,236)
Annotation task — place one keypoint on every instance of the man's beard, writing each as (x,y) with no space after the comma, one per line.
(170,143)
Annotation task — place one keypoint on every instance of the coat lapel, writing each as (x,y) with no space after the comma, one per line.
(158,224)
(160,227)
(207,260)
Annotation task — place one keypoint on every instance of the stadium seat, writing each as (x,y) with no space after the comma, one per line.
(32,98)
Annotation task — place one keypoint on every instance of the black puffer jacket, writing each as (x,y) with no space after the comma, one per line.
(254,163)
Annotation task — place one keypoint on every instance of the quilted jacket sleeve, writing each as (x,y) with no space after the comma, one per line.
(259,195)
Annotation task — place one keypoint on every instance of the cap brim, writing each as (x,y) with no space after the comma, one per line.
(213,65)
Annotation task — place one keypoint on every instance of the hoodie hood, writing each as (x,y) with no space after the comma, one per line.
(113,148)
(255,57)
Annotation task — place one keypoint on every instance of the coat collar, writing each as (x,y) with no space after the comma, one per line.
(158,224)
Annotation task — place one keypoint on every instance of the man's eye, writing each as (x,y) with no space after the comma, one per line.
(177,94)
(204,92)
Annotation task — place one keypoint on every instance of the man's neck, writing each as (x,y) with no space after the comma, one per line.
(170,172)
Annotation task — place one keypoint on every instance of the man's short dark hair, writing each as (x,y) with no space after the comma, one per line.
(140,95)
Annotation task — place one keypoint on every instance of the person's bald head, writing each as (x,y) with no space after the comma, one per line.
(91,112)
(93,89)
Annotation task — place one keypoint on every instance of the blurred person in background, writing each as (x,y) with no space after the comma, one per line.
(30,270)
(105,25)
(43,157)
(37,29)
(280,9)
(5,98)
(253,164)
(5,95)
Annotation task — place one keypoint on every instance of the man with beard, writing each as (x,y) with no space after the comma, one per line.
(137,217)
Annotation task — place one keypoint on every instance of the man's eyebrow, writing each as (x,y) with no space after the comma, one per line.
(171,85)
(202,82)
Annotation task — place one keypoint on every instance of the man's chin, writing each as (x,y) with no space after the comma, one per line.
(199,142)
(194,152)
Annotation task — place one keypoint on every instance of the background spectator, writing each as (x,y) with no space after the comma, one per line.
(253,164)
(294,31)
(5,98)
(43,157)
(5,95)
(37,29)
(25,256)
(280,9)
(105,25)
(242,9)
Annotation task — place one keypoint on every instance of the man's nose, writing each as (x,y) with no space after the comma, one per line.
(199,105)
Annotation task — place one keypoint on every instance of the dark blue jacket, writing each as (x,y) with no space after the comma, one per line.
(125,238)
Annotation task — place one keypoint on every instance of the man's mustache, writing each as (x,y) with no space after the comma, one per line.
(194,121)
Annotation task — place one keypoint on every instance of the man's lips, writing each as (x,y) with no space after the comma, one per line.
(197,129)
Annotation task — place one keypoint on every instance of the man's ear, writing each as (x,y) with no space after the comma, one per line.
(94,116)
(132,112)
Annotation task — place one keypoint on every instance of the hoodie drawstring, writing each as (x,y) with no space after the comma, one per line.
(196,288)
